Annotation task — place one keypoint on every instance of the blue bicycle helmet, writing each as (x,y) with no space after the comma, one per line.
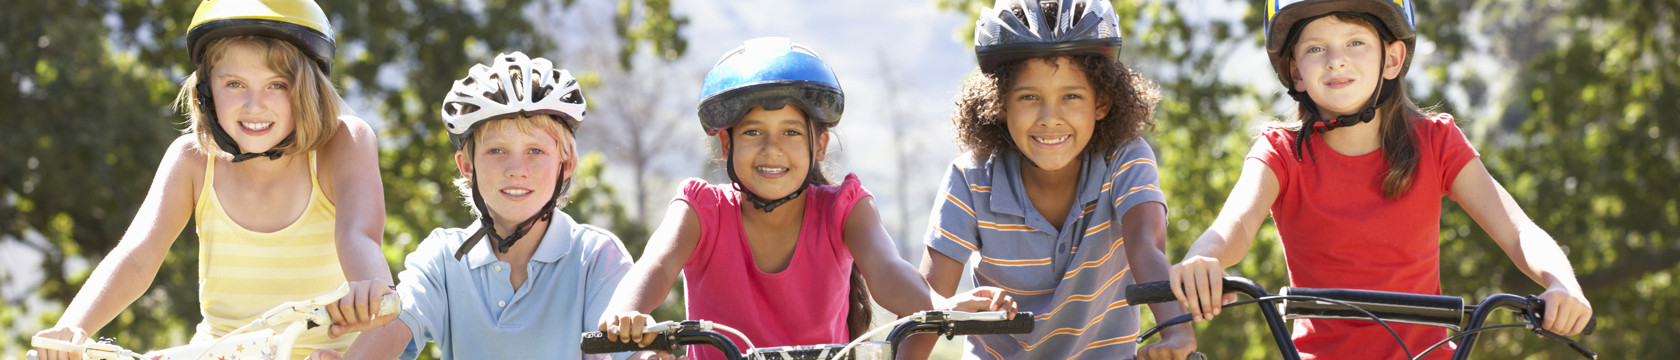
(769,72)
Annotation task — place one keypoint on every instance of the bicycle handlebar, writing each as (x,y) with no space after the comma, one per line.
(308,312)
(693,332)
(1431,310)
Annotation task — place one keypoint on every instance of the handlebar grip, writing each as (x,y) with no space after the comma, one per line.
(1592,324)
(595,342)
(1150,293)
(390,304)
(31,355)
(1021,324)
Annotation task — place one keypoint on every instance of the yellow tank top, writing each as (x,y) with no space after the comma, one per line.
(243,273)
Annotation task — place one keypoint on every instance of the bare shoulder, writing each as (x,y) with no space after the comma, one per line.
(185,160)
(354,137)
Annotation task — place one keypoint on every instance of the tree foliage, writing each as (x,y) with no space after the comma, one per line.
(1584,141)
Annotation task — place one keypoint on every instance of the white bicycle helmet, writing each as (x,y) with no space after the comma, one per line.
(514,85)
(1020,29)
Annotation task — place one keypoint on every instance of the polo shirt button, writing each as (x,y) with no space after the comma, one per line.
(501,304)
(498,267)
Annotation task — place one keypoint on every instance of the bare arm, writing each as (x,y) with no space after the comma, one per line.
(1143,229)
(1196,280)
(892,282)
(650,279)
(129,269)
(1533,251)
(349,172)
(386,342)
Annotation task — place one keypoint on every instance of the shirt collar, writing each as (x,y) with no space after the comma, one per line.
(556,242)
(1009,192)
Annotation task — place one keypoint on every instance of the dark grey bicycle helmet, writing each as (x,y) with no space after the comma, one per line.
(1020,29)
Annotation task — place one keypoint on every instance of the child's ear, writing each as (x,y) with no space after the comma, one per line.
(822,147)
(463,164)
(1396,60)
(1295,77)
(723,140)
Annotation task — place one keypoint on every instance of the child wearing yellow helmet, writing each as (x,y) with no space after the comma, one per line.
(1355,182)
(275,177)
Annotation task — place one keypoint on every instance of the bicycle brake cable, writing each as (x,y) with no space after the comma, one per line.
(1186,317)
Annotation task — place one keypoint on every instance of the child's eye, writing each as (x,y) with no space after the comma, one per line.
(1314,49)
(1027,97)
(749,132)
(277,86)
(235,84)
(791,132)
(494,151)
(534,151)
(1072,97)
(1356,43)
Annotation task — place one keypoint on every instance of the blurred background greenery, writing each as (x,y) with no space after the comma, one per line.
(1570,103)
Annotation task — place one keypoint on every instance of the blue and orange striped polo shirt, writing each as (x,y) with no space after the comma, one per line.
(1073,279)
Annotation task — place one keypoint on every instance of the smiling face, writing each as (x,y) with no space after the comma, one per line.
(1339,62)
(519,163)
(1051,111)
(772,150)
(253,102)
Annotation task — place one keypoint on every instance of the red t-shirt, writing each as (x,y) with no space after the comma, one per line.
(1339,231)
(805,304)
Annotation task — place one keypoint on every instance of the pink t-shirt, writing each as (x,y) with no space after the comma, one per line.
(1339,231)
(804,304)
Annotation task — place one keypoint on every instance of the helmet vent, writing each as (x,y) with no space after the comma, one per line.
(1049,11)
(1019,14)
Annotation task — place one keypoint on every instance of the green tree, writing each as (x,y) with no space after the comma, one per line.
(1580,141)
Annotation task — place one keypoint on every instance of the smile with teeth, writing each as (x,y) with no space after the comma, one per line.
(1052,141)
(256,126)
(772,170)
(516,192)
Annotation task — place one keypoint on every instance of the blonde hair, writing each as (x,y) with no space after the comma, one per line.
(528,125)
(315,102)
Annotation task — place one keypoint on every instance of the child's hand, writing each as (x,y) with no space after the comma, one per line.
(628,326)
(324,354)
(1196,282)
(1177,342)
(652,355)
(356,311)
(981,299)
(71,334)
(1567,311)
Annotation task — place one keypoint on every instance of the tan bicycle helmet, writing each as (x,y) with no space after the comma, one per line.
(299,22)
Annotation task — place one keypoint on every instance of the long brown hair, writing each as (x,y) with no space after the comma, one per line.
(1398,136)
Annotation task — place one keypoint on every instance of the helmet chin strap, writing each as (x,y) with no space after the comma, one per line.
(223,140)
(1316,122)
(497,242)
(759,202)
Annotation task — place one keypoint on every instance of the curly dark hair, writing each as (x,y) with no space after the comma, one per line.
(983,129)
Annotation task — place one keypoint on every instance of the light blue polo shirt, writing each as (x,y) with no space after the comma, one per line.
(469,308)
(1074,279)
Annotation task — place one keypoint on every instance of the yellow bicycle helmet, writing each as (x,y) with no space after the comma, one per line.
(1285,18)
(300,22)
